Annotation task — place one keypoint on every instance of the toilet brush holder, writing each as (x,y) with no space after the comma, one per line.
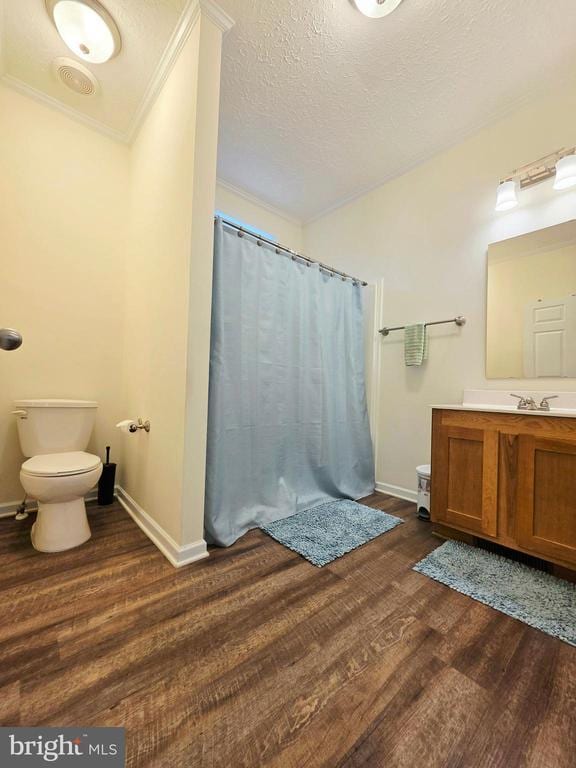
(106,482)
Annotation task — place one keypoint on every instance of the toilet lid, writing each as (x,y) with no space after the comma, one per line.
(54,464)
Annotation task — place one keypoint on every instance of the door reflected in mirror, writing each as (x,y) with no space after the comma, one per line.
(531,305)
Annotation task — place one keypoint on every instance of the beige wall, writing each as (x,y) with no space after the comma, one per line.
(106,257)
(168,290)
(284,229)
(513,284)
(63,190)
(200,281)
(423,238)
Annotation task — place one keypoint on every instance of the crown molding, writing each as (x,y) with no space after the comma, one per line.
(188,18)
(217,15)
(73,114)
(257,201)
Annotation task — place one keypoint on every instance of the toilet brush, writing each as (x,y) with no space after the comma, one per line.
(106,482)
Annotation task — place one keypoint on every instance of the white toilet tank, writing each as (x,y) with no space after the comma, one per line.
(54,426)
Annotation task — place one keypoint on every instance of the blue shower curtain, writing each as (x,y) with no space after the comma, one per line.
(288,425)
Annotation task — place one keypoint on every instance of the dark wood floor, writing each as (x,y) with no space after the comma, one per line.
(256,658)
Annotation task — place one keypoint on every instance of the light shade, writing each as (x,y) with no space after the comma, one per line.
(507,196)
(376,8)
(565,172)
(87,29)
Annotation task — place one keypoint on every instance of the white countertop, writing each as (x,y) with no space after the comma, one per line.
(562,412)
(501,401)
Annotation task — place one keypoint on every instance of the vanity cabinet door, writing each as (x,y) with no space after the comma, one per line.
(546,522)
(465,479)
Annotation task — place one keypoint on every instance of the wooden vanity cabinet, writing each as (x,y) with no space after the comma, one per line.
(506,477)
(466,489)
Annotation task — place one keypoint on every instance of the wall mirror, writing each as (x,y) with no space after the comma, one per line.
(531,305)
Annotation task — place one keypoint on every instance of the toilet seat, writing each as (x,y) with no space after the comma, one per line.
(61,464)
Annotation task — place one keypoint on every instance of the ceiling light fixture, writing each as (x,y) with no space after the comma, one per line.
(87,28)
(565,172)
(375,9)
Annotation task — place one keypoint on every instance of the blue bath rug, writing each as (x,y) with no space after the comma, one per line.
(534,597)
(326,532)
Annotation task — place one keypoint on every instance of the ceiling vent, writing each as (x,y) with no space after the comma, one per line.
(75,76)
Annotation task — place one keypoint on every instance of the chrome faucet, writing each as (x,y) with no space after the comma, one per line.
(544,404)
(529,404)
(525,403)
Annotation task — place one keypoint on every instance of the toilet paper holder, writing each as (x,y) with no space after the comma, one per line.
(134,426)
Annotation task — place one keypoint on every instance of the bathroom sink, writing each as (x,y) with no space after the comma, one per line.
(502,401)
(515,409)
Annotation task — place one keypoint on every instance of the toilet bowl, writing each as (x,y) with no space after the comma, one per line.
(59,482)
(59,472)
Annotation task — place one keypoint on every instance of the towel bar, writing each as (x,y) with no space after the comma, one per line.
(458,320)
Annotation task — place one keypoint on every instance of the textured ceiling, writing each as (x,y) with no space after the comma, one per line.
(30,42)
(319,103)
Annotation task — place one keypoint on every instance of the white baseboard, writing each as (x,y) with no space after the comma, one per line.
(398,491)
(8,508)
(176,554)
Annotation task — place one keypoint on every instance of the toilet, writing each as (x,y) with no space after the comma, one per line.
(58,473)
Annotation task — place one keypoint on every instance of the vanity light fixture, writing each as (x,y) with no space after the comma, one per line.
(87,29)
(507,195)
(560,164)
(375,9)
(565,172)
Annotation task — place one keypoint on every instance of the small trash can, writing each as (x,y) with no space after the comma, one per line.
(423,500)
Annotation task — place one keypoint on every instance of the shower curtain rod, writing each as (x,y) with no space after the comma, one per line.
(260,239)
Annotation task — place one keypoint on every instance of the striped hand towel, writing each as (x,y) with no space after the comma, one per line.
(415,344)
